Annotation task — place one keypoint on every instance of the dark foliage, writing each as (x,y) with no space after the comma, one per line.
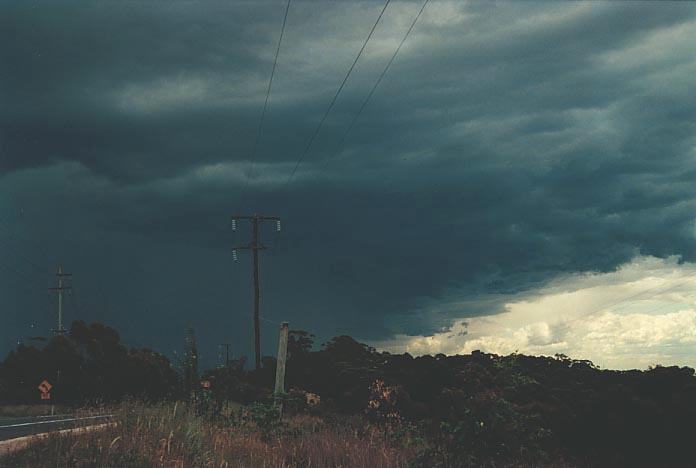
(473,410)
(88,364)
(482,406)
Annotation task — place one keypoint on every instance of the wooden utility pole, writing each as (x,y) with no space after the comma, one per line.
(282,354)
(60,288)
(255,246)
(227,354)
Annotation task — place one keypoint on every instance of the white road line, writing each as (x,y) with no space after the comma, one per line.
(55,421)
(36,417)
(12,445)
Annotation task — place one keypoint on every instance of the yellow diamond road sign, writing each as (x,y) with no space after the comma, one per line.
(45,386)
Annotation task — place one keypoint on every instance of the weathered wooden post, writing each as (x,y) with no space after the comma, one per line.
(282,355)
(280,364)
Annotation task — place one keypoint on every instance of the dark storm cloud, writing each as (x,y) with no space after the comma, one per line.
(72,70)
(509,144)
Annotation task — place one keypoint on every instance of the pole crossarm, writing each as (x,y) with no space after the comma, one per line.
(250,247)
(259,217)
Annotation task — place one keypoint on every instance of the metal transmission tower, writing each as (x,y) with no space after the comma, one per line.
(254,246)
(60,288)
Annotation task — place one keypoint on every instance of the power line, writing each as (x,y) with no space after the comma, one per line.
(265,103)
(379,80)
(333,101)
(663,306)
(274,322)
(622,301)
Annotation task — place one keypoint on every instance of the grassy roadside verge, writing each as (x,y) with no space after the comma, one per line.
(175,435)
(18,411)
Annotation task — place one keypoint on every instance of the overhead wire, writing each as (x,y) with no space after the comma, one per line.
(371,93)
(621,302)
(326,113)
(668,304)
(377,82)
(369,97)
(264,110)
(265,104)
(342,85)
(362,107)
(335,97)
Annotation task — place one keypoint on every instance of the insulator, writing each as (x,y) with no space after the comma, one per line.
(234,224)
(234,255)
(278,226)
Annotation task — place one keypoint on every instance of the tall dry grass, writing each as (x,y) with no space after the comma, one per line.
(174,435)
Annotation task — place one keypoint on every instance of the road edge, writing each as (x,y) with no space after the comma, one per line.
(19,443)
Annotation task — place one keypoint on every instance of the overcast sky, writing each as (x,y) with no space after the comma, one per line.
(522,178)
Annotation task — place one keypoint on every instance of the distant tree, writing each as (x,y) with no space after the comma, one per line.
(87,364)
(150,375)
(345,348)
(302,363)
(234,384)
(20,373)
(105,359)
(300,343)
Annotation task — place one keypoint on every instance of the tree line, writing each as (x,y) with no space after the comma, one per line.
(477,405)
(88,364)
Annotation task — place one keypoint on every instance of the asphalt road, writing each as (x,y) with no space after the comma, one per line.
(11,428)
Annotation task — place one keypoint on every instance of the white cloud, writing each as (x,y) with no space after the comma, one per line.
(233,174)
(187,91)
(640,315)
(663,47)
